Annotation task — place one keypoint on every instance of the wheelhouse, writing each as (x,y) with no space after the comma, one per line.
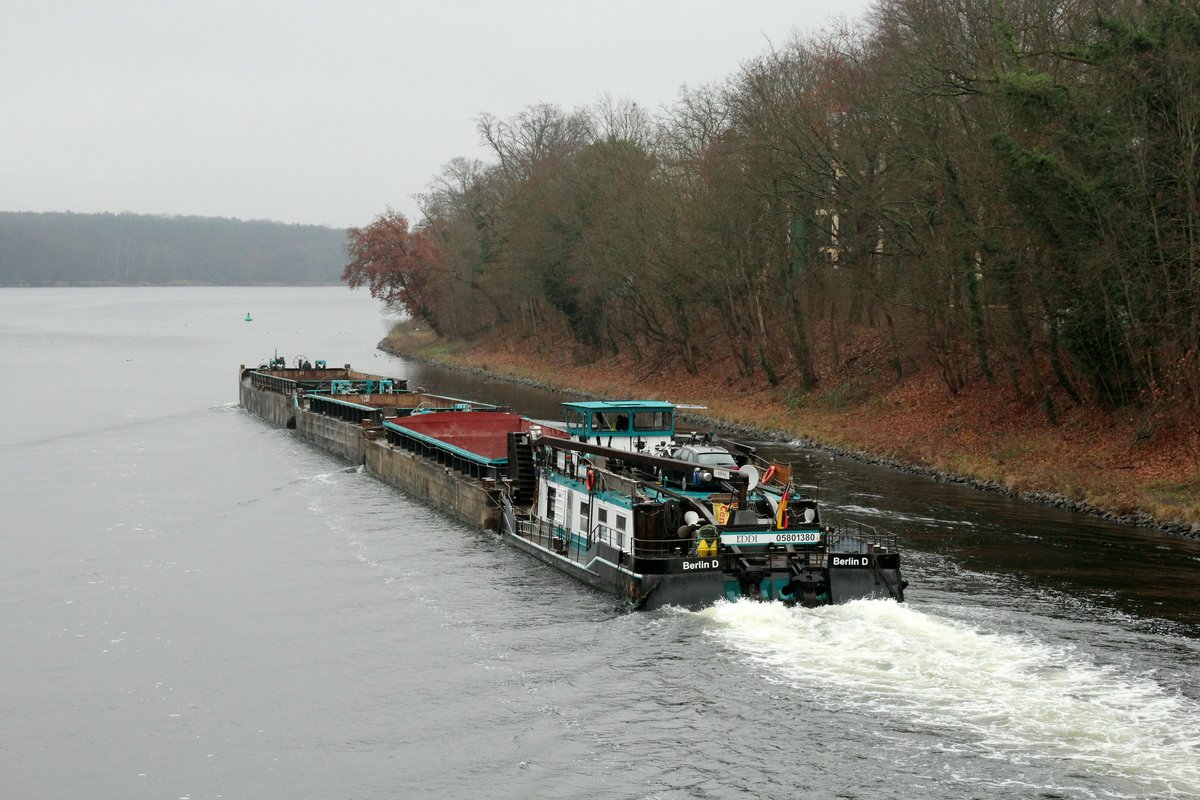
(631,425)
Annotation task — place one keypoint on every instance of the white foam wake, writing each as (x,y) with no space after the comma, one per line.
(1013,696)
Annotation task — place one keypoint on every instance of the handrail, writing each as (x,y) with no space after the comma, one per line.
(272,383)
(866,534)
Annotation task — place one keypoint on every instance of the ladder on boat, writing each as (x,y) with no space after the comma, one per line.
(520,468)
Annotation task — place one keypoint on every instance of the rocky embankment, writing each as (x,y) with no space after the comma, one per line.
(502,367)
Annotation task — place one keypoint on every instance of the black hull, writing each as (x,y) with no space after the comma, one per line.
(643,592)
(600,569)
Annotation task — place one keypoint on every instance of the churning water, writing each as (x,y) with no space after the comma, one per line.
(197,605)
(997,697)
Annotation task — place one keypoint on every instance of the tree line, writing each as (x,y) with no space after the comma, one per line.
(65,249)
(998,191)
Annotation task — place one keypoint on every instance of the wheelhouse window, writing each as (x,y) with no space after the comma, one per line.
(576,419)
(652,421)
(616,421)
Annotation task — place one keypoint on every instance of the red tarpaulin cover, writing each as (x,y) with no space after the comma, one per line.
(484,433)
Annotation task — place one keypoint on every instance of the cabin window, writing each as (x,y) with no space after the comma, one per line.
(620,523)
(616,421)
(652,421)
(602,515)
(583,517)
(575,419)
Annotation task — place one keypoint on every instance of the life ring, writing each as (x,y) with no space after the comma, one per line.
(590,480)
(770,474)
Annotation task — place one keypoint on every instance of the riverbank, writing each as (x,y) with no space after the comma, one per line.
(1121,465)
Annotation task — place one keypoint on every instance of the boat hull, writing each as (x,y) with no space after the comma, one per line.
(601,568)
(464,498)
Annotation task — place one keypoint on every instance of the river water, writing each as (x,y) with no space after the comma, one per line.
(197,605)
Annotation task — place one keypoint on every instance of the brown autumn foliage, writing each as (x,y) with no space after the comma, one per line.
(400,267)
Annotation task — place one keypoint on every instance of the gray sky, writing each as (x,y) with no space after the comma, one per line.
(325,113)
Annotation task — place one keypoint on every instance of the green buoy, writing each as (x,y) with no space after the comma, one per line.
(248,317)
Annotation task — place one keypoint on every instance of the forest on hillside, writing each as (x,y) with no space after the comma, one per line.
(998,192)
(65,249)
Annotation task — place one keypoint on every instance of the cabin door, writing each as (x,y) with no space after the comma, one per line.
(562,510)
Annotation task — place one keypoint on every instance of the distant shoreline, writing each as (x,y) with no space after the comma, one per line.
(66,250)
(173,285)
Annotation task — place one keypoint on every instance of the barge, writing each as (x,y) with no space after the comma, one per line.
(607,495)
(379,422)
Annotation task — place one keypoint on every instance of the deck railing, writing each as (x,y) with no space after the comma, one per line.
(266,382)
(344,410)
(856,536)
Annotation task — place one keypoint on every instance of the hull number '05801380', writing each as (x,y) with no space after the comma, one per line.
(772,537)
(807,537)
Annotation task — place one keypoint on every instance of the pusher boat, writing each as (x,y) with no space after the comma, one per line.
(621,505)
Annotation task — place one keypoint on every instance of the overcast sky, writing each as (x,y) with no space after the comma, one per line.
(325,113)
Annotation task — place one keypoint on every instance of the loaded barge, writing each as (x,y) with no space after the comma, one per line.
(608,495)
(399,435)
